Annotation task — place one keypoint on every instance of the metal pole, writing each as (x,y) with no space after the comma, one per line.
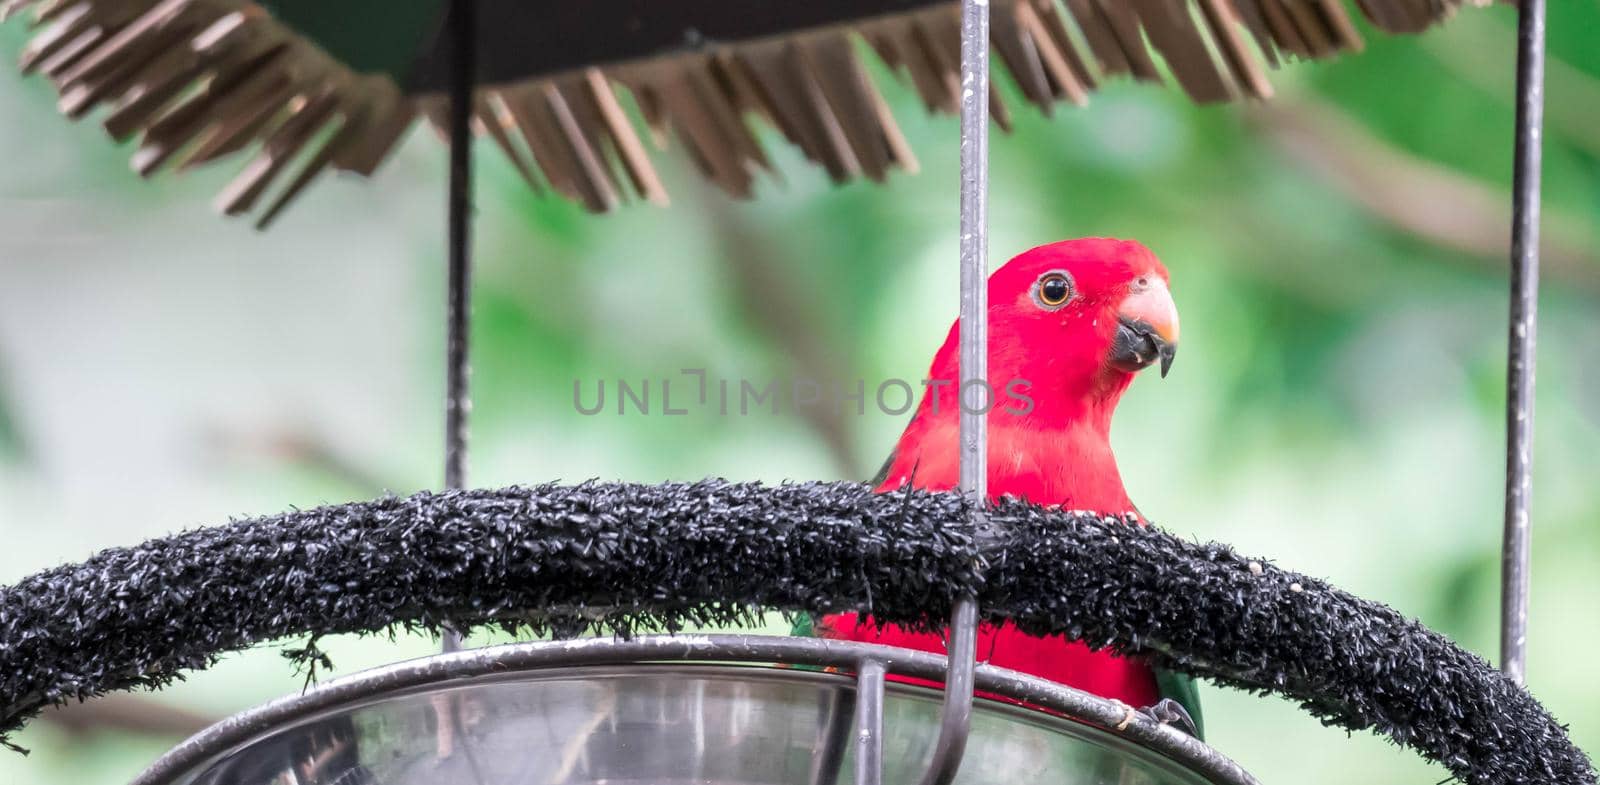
(869,722)
(1516,550)
(955,719)
(458,401)
(974,337)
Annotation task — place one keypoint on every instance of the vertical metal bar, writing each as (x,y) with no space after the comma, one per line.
(869,722)
(974,247)
(974,337)
(458,402)
(834,730)
(1516,549)
(955,715)
(955,718)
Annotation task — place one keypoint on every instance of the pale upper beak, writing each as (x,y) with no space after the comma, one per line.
(1147,329)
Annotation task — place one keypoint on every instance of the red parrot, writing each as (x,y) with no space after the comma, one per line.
(1070,325)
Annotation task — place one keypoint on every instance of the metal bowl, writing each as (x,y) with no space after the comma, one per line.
(542,721)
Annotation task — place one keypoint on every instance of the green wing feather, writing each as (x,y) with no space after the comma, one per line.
(1186,691)
(805,626)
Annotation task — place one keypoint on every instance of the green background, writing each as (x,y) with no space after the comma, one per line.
(1338,257)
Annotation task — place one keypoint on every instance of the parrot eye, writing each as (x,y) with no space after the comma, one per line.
(1053,290)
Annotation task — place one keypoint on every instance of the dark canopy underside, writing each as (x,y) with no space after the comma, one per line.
(305,85)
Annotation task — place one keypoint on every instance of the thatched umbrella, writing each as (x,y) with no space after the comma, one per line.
(320,85)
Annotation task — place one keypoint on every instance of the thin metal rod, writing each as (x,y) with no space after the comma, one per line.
(458,401)
(1516,551)
(955,717)
(869,722)
(974,247)
(955,714)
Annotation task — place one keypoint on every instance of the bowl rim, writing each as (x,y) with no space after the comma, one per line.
(1020,695)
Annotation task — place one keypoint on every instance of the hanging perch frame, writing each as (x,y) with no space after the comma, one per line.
(625,558)
(310,112)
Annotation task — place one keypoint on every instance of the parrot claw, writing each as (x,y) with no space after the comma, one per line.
(1170,712)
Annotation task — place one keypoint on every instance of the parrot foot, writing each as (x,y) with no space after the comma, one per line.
(1170,712)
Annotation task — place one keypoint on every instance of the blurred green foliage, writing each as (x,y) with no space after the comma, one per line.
(1337,404)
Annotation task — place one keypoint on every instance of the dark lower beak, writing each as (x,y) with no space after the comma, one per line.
(1137,346)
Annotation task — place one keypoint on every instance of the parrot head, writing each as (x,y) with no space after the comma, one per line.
(1075,321)
(1070,325)
(1104,302)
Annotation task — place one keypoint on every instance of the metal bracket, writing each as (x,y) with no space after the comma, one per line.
(869,722)
(955,714)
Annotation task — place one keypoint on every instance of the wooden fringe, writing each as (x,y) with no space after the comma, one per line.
(200,80)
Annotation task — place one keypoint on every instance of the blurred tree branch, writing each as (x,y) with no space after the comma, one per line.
(298,445)
(12,443)
(127,714)
(1480,54)
(1421,198)
(786,312)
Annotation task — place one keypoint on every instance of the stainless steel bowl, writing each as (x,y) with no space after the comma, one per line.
(528,715)
(665,725)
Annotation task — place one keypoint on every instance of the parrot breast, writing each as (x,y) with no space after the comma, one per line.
(1070,468)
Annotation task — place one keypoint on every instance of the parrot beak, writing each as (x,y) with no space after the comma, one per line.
(1147,330)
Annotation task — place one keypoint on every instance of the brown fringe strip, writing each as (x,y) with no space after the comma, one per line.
(201,80)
